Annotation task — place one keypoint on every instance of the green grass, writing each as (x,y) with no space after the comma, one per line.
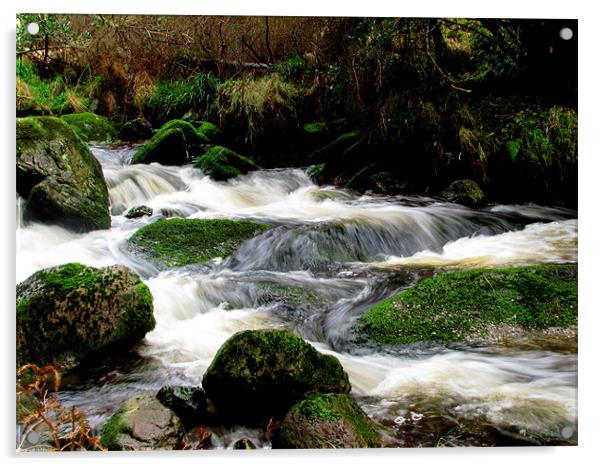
(461,305)
(177,242)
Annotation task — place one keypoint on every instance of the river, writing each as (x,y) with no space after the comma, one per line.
(335,254)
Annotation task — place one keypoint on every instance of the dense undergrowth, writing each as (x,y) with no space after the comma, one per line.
(431,100)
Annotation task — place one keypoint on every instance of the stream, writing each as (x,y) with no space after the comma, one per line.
(329,256)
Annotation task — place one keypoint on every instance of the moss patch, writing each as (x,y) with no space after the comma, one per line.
(460,306)
(327,420)
(174,144)
(221,163)
(91,127)
(177,241)
(465,192)
(211,132)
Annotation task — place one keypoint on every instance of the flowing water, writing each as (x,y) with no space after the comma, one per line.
(329,256)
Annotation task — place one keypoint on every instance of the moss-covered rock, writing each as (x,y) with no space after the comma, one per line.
(67,312)
(142,423)
(211,132)
(335,150)
(258,374)
(475,305)
(138,211)
(136,130)
(318,173)
(59,176)
(221,163)
(91,127)
(180,241)
(327,420)
(466,192)
(189,403)
(175,143)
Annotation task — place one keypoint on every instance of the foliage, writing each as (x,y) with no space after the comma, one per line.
(257,105)
(465,305)
(173,99)
(43,422)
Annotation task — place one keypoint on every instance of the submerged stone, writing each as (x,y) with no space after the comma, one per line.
(68,312)
(142,423)
(59,176)
(327,420)
(258,374)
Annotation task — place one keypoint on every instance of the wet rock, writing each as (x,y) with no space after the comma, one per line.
(178,241)
(138,211)
(466,192)
(221,163)
(136,130)
(244,444)
(142,423)
(327,421)
(189,403)
(174,144)
(260,374)
(91,127)
(66,313)
(59,176)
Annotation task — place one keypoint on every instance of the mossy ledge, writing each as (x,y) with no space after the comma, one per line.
(66,313)
(475,305)
(327,420)
(221,163)
(178,241)
(91,127)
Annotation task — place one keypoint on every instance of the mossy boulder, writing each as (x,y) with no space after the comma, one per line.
(336,151)
(142,423)
(327,420)
(91,127)
(136,130)
(66,313)
(59,176)
(318,173)
(211,132)
(175,143)
(138,211)
(475,305)
(189,403)
(221,163)
(181,241)
(466,192)
(258,374)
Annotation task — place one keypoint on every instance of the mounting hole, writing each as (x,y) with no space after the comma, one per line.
(32,28)
(566,33)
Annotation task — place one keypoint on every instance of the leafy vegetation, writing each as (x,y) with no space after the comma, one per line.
(465,305)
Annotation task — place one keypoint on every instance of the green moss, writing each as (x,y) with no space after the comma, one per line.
(209,131)
(91,127)
(315,128)
(222,164)
(114,428)
(327,420)
(466,192)
(464,305)
(173,144)
(64,313)
(318,173)
(261,373)
(335,150)
(176,242)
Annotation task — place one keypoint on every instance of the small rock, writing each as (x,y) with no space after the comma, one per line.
(244,444)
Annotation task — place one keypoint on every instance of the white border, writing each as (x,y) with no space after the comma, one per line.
(590,418)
